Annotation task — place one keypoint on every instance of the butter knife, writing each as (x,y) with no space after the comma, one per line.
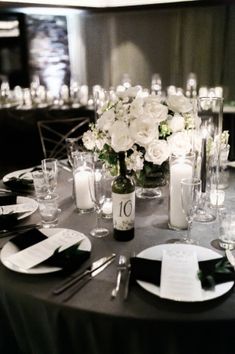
(94,269)
(230,257)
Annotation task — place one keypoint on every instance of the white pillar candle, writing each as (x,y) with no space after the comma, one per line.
(178,171)
(82,189)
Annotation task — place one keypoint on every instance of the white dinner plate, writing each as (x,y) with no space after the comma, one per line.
(203,254)
(25,173)
(9,249)
(26,200)
(32,206)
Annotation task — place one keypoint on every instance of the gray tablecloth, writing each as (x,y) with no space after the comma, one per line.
(32,321)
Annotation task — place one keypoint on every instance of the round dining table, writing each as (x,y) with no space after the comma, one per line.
(34,321)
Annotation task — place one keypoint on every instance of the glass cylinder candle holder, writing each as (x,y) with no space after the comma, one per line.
(83,172)
(180,167)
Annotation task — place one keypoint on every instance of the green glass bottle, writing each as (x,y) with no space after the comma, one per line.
(123,197)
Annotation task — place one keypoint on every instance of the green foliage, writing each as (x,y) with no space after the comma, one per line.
(110,157)
(208,278)
(152,175)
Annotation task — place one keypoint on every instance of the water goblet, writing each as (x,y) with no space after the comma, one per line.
(50,170)
(190,197)
(97,189)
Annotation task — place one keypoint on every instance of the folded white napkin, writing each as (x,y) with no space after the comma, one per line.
(16,208)
(39,252)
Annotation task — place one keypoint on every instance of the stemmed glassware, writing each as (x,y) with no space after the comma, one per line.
(190,197)
(97,187)
(72,148)
(50,170)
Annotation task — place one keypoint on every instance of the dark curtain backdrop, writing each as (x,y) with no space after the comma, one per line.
(172,42)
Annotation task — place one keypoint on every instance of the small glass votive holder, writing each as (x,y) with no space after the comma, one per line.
(48,209)
(217,197)
(227,229)
(39,182)
(107,208)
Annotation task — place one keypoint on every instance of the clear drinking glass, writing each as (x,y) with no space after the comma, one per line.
(48,209)
(97,187)
(39,182)
(190,197)
(50,170)
(227,229)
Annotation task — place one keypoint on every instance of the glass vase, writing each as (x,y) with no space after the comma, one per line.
(150,180)
(83,169)
(180,167)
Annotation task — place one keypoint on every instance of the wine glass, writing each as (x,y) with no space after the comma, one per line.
(190,197)
(50,170)
(97,187)
(71,148)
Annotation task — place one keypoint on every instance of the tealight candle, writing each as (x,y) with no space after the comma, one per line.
(107,208)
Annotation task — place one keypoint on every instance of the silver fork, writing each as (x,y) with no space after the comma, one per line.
(121,267)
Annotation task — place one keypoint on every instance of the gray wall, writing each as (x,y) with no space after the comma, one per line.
(172,42)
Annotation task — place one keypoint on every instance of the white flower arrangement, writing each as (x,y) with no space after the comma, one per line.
(142,126)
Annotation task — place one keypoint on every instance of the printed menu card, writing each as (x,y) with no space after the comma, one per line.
(179,280)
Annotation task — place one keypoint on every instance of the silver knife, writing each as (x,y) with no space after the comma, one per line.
(230,257)
(94,269)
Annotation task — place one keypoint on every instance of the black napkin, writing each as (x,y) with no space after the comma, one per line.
(8,220)
(69,259)
(17,183)
(211,272)
(8,198)
(20,182)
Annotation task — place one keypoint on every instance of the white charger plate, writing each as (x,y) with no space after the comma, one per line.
(9,248)
(203,254)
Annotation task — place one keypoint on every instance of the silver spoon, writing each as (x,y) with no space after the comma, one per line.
(121,267)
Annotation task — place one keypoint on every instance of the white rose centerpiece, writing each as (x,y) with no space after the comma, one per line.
(146,129)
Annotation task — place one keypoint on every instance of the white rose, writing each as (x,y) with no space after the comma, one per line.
(136,107)
(154,108)
(88,139)
(133,91)
(120,137)
(135,161)
(106,120)
(176,123)
(179,143)
(179,103)
(143,130)
(100,143)
(157,152)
